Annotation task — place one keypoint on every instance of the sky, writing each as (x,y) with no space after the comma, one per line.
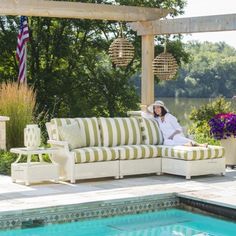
(211,7)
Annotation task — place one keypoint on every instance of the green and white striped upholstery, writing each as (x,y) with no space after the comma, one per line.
(151,134)
(138,152)
(119,131)
(95,154)
(89,127)
(192,153)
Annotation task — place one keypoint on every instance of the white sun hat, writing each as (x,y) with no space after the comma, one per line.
(157,103)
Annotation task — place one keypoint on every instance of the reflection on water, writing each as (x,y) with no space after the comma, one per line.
(181,107)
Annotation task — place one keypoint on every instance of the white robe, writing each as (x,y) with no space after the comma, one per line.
(168,126)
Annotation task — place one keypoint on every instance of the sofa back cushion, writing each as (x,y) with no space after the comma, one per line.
(151,133)
(88,127)
(119,131)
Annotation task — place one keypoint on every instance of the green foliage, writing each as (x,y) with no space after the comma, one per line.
(211,72)
(65,69)
(201,116)
(8,39)
(68,64)
(6,158)
(41,118)
(16,102)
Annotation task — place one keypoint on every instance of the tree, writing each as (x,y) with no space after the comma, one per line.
(211,72)
(68,64)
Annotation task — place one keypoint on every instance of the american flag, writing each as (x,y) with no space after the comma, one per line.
(22,39)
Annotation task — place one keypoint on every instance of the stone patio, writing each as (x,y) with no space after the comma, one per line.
(215,189)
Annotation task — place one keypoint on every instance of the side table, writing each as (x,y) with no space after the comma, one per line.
(31,172)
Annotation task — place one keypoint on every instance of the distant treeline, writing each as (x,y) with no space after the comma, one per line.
(210,72)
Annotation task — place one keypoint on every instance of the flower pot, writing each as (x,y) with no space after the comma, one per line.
(32,137)
(230,150)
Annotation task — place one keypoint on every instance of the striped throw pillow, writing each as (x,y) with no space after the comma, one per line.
(151,134)
(120,131)
(73,135)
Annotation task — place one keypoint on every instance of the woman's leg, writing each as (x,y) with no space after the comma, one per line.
(195,144)
(181,140)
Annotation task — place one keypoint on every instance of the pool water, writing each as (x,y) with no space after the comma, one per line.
(172,222)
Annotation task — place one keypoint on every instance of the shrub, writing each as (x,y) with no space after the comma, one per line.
(41,119)
(17,102)
(200,128)
(6,158)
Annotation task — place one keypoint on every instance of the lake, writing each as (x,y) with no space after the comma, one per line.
(181,107)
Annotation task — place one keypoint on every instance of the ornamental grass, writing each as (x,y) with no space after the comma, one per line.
(18,103)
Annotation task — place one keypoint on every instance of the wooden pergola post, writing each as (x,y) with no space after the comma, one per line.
(147,80)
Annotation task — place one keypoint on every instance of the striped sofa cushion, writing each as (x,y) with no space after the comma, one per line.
(95,154)
(151,134)
(192,153)
(130,152)
(89,127)
(119,131)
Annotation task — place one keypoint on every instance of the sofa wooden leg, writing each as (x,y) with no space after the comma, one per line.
(158,173)
(72,181)
(121,176)
(116,177)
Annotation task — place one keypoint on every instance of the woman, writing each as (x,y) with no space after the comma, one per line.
(171,129)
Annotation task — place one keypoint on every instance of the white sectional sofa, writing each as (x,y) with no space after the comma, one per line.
(105,147)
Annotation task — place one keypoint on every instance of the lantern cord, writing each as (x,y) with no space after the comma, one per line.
(121,30)
(166,41)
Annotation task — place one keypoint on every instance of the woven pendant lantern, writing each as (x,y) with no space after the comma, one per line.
(165,66)
(121,51)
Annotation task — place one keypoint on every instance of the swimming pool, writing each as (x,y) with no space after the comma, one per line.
(171,222)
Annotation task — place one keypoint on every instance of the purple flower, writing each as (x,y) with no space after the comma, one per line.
(223,126)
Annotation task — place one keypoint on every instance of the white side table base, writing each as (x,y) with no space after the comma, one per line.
(33,172)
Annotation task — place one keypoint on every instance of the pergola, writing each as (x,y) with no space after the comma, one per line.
(146,21)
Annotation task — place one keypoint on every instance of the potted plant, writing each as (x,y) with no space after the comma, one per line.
(223,128)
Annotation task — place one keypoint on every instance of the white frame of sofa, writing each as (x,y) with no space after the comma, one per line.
(140,166)
(193,167)
(71,171)
(117,169)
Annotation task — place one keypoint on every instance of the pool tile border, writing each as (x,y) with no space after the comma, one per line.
(69,213)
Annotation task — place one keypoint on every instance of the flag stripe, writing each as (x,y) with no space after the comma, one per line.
(22,39)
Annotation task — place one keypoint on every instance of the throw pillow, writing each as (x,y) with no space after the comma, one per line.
(73,135)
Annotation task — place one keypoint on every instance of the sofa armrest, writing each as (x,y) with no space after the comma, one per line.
(59,144)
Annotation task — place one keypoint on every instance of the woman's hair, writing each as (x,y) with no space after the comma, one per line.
(163,112)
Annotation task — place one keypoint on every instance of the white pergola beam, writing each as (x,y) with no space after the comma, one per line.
(186,25)
(64,9)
